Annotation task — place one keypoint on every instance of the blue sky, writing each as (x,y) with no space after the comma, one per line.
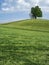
(12,10)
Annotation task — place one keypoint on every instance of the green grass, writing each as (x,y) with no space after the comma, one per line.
(24,43)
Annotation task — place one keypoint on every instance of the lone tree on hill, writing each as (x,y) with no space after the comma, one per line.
(36,12)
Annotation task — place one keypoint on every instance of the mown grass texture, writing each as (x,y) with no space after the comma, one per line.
(24,43)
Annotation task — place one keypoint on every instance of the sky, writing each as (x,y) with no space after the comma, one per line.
(13,10)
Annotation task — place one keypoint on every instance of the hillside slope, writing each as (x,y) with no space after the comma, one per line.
(24,43)
(37,24)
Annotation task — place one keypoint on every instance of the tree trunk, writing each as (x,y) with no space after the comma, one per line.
(35,17)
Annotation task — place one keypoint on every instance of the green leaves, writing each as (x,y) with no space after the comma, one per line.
(36,12)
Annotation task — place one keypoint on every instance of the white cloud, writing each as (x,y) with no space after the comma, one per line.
(24,5)
(35,2)
(7,9)
(47,1)
(45,9)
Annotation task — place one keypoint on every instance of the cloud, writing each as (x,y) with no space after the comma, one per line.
(23,5)
(5,9)
(8,9)
(45,9)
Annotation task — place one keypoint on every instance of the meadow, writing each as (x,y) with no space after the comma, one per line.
(24,42)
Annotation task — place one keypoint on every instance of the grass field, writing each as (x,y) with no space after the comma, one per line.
(24,42)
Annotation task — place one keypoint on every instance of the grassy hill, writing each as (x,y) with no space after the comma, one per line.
(24,42)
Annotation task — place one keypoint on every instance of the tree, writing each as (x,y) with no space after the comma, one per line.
(36,12)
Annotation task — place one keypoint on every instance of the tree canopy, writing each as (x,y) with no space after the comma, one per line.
(36,12)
